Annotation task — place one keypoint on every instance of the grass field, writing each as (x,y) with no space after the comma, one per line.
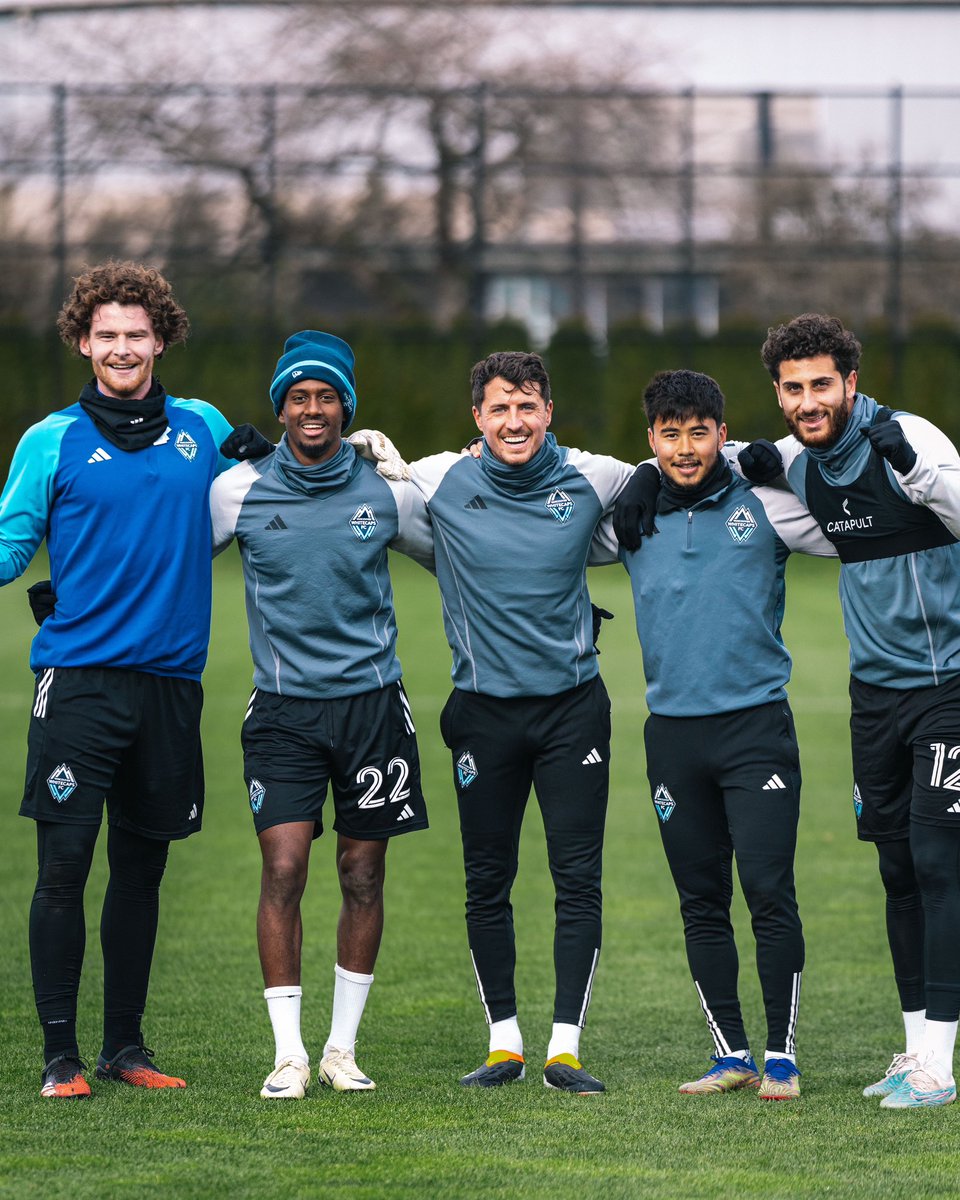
(420,1134)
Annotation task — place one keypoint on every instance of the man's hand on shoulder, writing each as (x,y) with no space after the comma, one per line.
(760,461)
(889,441)
(636,507)
(377,448)
(245,442)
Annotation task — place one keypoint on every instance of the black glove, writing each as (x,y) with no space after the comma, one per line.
(245,442)
(599,616)
(889,442)
(42,600)
(636,507)
(760,461)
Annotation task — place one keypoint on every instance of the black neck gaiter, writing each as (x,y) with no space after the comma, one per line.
(127,424)
(673,497)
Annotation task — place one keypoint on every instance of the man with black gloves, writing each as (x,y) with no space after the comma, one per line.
(885,489)
(722,756)
(118,484)
(314,522)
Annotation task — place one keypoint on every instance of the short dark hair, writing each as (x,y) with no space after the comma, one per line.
(809,336)
(518,367)
(122,283)
(679,395)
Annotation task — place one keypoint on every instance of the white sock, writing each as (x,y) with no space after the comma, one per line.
(768,1054)
(283,1005)
(743,1055)
(913,1025)
(565,1039)
(939,1038)
(506,1035)
(350,991)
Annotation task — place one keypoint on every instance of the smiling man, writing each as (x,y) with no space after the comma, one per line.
(884,487)
(513,531)
(118,485)
(722,756)
(313,523)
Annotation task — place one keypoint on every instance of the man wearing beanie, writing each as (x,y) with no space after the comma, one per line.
(313,522)
(118,485)
(528,705)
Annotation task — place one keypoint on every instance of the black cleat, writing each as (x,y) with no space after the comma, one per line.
(62,1077)
(501,1067)
(132,1065)
(564,1073)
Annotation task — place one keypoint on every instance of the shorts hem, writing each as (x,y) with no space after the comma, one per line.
(876,838)
(366,836)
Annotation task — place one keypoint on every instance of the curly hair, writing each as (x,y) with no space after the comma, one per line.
(809,336)
(122,283)
(679,395)
(515,366)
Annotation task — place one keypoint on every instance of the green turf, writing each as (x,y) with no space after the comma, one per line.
(420,1134)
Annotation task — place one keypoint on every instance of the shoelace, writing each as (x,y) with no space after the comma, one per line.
(900,1062)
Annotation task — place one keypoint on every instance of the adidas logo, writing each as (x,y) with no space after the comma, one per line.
(476,503)
(99,455)
(277,523)
(955,807)
(193,814)
(592,757)
(405,813)
(774,784)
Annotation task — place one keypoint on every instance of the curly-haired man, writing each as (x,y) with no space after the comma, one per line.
(118,485)
(885,489)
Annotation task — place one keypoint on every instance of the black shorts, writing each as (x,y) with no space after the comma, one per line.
(906,758)
(125,736)
(366,745)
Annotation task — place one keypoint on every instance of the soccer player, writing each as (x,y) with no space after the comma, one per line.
(313,522)
(722,757)
(513,529)
(118,484)
(885,489)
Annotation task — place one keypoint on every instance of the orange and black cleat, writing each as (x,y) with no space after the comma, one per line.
(132,1065)
(63,1078)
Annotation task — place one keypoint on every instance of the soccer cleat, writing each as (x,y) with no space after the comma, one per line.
(63,1077)
(898,1070)
(923,1087)
(132,1065)
(287,1081)
(502,1066)
(564,1073)
(338,1070)
(781,1080)
(727,1074)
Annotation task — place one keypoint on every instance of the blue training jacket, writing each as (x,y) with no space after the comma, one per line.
(128,533)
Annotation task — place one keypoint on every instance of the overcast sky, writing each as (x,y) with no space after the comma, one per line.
(776,47)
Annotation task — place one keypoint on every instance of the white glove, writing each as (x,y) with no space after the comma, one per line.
(377,448)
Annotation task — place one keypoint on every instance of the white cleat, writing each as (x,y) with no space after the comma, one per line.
(898,1070)
(926,1086)
(287,1081)
(339,1070)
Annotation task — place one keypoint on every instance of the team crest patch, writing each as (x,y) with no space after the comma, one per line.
(257,793)
(363,522)
(857,802)
(560,505)
(466,769)
(663,802)
(186,445)
(741,524)
(62,783)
